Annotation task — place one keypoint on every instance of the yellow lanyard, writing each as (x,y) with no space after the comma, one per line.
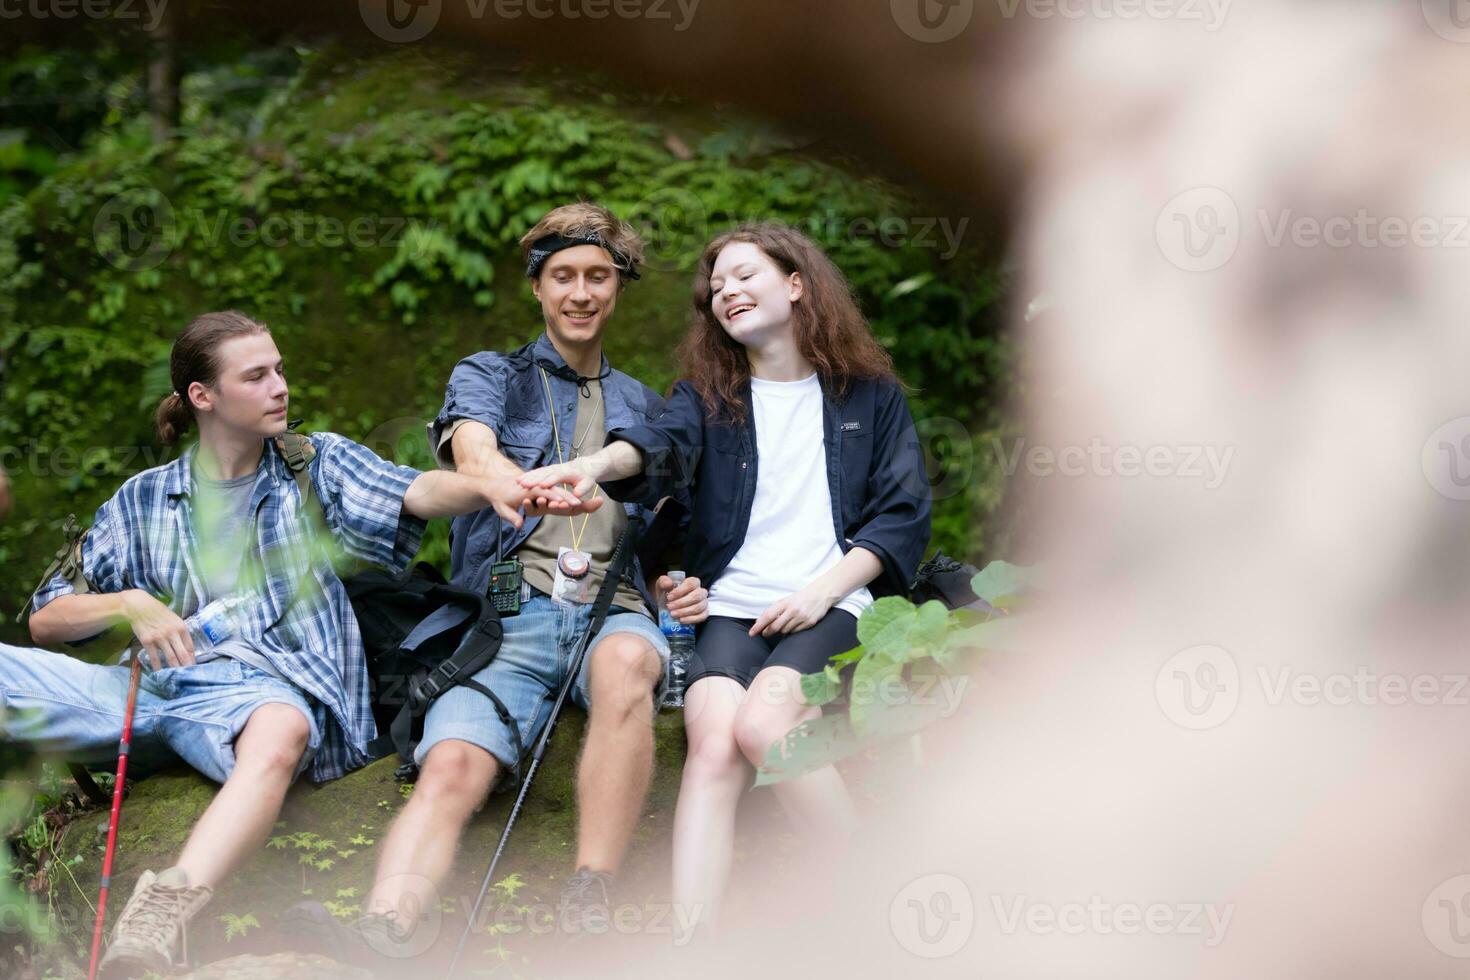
(577,533)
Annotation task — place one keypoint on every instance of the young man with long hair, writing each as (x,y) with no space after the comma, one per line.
(284,688)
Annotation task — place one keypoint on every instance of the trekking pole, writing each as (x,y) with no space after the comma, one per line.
(135,674)
(620,557)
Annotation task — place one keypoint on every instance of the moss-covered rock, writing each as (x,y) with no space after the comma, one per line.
(326,844)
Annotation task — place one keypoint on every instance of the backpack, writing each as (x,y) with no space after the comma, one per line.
(947,580)
(421,635)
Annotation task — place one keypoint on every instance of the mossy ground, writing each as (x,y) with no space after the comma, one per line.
(325,848)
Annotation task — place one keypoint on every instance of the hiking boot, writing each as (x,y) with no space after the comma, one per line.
(153,925)
(375,942)
(584,906)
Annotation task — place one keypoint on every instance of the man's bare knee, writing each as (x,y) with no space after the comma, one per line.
(625,670)
(273,738)
(456,774)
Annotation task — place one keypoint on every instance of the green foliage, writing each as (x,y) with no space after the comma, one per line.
(237,925)
(369,210)
(907,651)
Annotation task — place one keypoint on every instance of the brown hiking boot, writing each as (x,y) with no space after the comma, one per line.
(152,926)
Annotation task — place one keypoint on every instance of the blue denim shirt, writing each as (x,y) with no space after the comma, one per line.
(505,392)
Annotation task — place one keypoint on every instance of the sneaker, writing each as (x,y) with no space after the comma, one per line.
(584,905)
(369,943)
(153,925)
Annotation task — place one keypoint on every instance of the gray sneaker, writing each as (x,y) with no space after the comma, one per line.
(153,925)
(373,942)
(584,905)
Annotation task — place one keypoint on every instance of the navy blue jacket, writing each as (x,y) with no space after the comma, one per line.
(875,476)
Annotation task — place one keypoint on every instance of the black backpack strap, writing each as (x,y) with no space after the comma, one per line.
(88,785)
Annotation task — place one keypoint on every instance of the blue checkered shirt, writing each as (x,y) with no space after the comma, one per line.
(144,538)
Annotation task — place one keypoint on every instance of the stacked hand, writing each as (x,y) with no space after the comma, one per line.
(514,501)
(554,478)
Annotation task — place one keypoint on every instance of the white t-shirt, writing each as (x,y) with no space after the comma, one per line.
(792,538)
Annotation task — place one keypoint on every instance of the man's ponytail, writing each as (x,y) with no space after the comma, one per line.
(172,419)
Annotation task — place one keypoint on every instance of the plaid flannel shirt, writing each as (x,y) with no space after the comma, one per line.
(144,538)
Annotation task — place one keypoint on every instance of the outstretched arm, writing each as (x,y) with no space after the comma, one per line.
(444,494)
(614,462)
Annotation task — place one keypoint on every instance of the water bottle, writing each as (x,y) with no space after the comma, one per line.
(218,621)
(681,646)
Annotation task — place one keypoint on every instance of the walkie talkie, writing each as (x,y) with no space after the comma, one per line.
(505,587)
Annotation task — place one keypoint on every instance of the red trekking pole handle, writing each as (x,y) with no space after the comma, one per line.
(135,675)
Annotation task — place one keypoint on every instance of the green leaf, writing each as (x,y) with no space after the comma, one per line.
(876,685)
(850,657)
(821,687)
(999,635)
(807,748)
(885,625)
(929,630)
(1001,579)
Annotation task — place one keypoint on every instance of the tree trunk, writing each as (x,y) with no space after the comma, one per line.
(163,74)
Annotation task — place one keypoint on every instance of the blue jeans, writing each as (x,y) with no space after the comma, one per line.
(73,709)
(535,655)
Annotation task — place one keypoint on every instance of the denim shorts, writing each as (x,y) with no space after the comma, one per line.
(74,710)
(536,653)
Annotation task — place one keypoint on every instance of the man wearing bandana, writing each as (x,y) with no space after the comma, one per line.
(554,399)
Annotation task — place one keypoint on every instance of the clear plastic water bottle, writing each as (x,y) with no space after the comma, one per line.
(218,621)
(681,646)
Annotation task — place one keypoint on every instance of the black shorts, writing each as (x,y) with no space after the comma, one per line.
(725,647)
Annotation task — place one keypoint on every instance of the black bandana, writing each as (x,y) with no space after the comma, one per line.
(544,248)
